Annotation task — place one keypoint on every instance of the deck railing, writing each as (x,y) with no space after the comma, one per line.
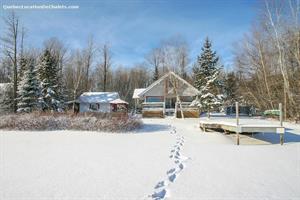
(186,106)
(153,105)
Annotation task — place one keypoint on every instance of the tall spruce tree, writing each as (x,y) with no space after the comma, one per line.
(206,79)
(28,88)
(48,77)
(22,67)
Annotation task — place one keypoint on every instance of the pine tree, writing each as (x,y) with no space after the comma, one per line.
(206,79)
(28,89)
(22,67)
(48,77)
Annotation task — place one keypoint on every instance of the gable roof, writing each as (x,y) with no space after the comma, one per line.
(136,92)
(163,78)
(98,97)
(118,101)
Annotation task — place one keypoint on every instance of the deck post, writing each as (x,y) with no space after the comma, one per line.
(237,123)
(281,123)
(280,114)
(237,113)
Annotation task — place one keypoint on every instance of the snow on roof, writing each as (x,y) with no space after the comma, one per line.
(137,92)
(118,101)
(169,74)
(98,97)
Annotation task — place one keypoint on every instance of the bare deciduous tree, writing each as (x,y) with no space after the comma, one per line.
(104,66)
(10,41)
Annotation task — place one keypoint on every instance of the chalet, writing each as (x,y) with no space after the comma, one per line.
(104,102)
(169,95)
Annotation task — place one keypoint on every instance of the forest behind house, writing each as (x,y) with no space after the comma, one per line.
(265,71)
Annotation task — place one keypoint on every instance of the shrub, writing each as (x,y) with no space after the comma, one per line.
(63,121)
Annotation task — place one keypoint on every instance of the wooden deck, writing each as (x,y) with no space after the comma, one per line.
(246,127)
(153,114)
(188,114)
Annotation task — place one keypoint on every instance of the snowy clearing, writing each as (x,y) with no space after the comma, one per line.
(167,158)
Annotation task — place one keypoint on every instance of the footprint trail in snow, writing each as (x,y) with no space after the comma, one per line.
(161,189)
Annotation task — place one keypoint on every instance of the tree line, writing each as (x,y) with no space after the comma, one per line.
(266,67)
(52,77)
(267,60)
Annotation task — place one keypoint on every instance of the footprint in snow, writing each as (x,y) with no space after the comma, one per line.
(181,166)
(177,157)
(171,171)
(161,184)
(172,177)
(176,154)
(160,194)
(180,143)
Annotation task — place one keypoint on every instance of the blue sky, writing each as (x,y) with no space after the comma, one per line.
(133,28)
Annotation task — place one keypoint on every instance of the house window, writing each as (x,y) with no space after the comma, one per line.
(94,106)
(154,99)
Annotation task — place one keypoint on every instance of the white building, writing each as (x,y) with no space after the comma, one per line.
(97,101)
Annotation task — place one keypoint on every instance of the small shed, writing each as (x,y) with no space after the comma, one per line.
(119,108)
(118,105)
(97,101)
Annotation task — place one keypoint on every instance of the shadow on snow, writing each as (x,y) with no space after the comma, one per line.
(289,137)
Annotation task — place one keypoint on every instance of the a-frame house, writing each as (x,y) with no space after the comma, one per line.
(169,95)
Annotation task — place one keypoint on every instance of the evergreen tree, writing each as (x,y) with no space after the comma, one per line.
(22,67)
(48,77)
(28,89)
(206,79)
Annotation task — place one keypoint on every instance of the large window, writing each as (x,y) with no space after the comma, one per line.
(154,99)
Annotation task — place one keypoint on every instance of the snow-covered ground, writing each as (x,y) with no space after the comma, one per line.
(168,158)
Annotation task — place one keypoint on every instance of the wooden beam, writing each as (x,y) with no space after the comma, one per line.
(237,123)
(281,123)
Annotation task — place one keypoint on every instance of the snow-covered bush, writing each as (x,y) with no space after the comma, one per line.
(61,121)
